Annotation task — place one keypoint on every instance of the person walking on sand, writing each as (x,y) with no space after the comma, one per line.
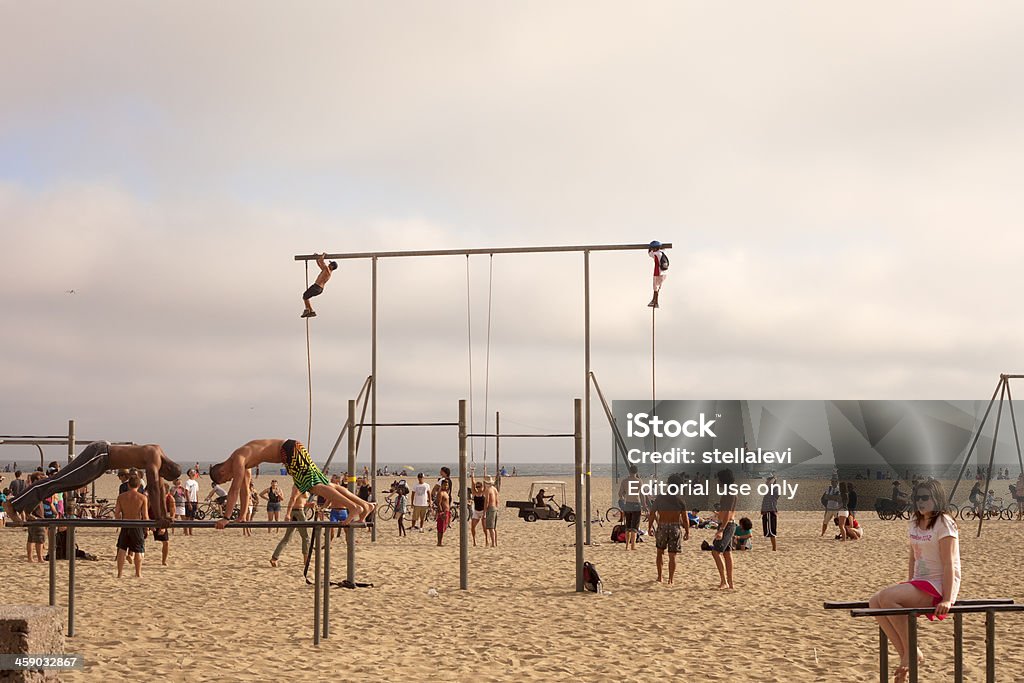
(444,504)
(162,535)
(132,505)
(832,499)
(420,502)
(490,512)
(297,462)
(770,510)
(721,548)
(668,515)
(477,512)
(631,505)
(272,494)
(295,512)
(90,464)
(317,288)
(933,569)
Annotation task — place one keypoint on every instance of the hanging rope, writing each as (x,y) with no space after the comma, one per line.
(487,361)
(309,377)
(469,333)
(653,380)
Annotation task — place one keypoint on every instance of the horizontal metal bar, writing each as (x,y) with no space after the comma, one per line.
(503,435)
(407,424)
(862,604)
(54,441)
(206,524)
(962,609)
(469,252)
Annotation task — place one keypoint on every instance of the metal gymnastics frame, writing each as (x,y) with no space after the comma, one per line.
(374,256)
(315,544)
(464,436)
(70,440)
(1003,390)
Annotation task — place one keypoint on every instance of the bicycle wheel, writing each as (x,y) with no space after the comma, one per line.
(613,515)
(1007,514)
(385,512)
(431,515)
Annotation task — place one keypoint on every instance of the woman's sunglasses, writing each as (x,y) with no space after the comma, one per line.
(922,499)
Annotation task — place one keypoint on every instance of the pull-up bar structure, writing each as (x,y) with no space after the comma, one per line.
(320,619)
(586,250)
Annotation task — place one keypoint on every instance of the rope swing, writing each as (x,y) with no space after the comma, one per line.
(487,361)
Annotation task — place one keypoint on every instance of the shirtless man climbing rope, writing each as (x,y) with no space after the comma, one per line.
(317,288)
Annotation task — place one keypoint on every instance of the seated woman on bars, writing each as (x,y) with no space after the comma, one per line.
(90,464)
(933,569)
(293,455)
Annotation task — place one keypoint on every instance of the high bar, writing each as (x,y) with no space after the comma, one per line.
(470,252)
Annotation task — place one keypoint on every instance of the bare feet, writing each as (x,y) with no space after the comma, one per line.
(13,516)
(273,562)
(900,676)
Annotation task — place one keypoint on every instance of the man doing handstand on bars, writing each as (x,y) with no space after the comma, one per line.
(293,455)
(90,464)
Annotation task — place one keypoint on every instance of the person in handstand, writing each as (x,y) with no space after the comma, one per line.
(317,288)
(90,464)
(296,459)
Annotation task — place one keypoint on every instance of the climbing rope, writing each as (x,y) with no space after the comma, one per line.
(469,333)
(309,377)
(487,361)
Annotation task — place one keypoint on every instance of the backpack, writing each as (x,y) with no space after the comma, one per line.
(591,579)
(619,533)
(663,261)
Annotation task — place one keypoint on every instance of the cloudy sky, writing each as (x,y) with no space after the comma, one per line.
(838,182)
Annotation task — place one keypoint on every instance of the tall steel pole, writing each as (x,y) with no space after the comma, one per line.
(373,394)
(578,457)
(350,537)
(586,389)
(463,507)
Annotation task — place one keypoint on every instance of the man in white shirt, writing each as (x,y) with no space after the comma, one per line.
(420,502)
(191,497)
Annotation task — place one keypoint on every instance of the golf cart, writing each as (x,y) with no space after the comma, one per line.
(547,501)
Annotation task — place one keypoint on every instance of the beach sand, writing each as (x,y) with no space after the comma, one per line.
(220,612)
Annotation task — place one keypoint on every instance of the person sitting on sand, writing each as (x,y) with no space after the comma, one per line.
(743,539)
(317,288)
(297,462)
(933,576)
(132,505)
(89,465)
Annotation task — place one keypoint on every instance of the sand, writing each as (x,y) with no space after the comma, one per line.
(220,612)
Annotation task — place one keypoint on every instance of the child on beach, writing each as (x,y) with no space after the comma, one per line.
(401,507)
(933,572)
(743,538)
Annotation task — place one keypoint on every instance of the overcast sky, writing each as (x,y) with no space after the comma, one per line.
(838,182)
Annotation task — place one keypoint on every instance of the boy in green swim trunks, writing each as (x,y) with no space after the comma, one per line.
(293,455)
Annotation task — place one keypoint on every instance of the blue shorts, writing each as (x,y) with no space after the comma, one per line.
(339,515)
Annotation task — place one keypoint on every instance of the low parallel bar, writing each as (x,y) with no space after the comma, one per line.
(189,524)
(320,618)
(407,424)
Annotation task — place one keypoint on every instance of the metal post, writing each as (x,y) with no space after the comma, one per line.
(912,645)
(463,508)
(316,585)
(586,389)
(578,457)
(71,439)
(497,448)
(71,580)
(373,388)
(992,456)
(990,646)
(51,534)
(350,538)
(883,656)
(958,648)
(327,583)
